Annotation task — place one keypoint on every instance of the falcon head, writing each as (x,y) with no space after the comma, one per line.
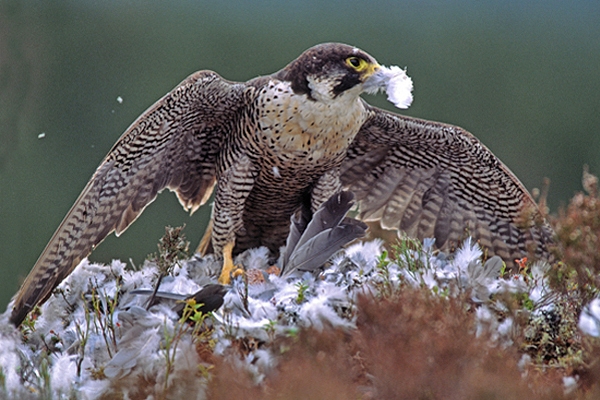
(327,71)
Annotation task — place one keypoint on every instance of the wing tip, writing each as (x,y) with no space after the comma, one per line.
(18,315)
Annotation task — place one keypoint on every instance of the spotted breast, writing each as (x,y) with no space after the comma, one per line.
(296,145)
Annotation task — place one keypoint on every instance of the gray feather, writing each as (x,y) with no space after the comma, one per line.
(326,233)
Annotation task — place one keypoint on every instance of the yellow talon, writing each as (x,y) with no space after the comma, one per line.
(237,272)
(229,268)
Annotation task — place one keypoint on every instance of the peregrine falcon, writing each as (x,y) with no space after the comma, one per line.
(285,143)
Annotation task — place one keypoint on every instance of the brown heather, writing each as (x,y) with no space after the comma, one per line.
(417,345)
(414,346)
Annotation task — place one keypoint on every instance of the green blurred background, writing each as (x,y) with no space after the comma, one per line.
(524,77)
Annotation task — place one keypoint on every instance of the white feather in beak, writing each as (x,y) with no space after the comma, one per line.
(394,82)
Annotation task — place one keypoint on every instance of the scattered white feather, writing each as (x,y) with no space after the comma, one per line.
(570,384)
(486,320)
(64,374)
(255,258)
(468,252)
(92,389)
(276,173)
(505,327)
(259,312)
(318,314)
(589,320)
(10,363)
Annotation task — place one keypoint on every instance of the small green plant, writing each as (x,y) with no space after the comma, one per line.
(28,325)
(192,313)
(302,288)
(103,308)
(526,302)
(171,340)
(191,322)
(83,335)
(292,332)
(406,251)
(503,270)
(44,378)
(2,381)
(205,370)
(385,286)
(444,292)
(269,327)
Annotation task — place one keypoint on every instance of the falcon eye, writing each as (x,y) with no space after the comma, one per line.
(358,64)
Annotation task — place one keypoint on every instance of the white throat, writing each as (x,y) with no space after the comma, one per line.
(322,90)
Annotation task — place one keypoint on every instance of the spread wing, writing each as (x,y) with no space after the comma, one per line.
(172,145)
(435,180)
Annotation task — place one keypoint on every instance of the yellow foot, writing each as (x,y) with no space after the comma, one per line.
(229,269)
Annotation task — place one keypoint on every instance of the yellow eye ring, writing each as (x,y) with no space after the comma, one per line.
(356,63)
